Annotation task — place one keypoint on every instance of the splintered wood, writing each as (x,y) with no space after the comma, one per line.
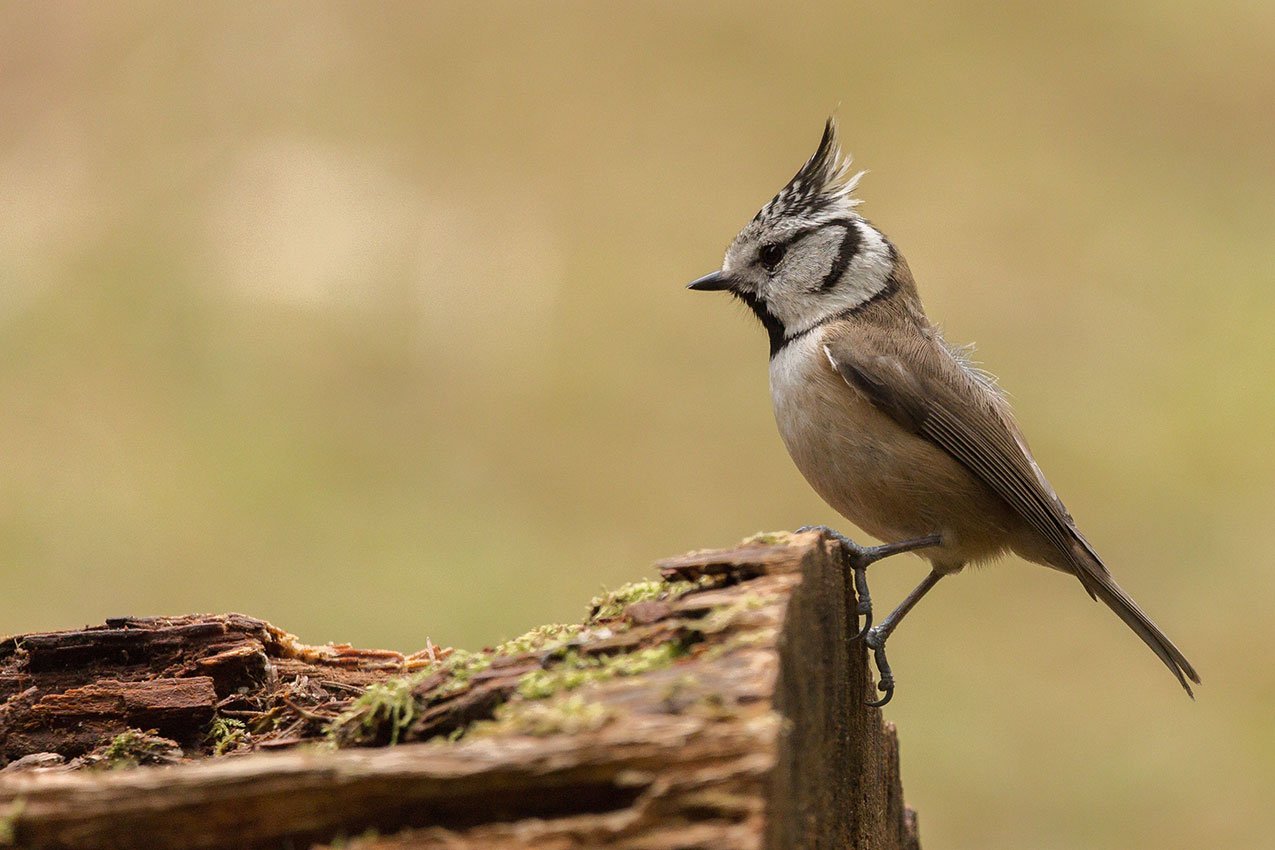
(72,693)
(723,707)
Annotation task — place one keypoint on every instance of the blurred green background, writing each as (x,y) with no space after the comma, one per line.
(368,319)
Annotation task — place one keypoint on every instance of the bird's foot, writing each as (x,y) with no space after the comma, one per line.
(829,532)
(875,640)
(859,558)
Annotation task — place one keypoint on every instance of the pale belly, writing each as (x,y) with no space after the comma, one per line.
(891,483)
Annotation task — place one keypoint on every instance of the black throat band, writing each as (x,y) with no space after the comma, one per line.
(778,340)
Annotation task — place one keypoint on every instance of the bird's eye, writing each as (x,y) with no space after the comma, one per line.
(770,255)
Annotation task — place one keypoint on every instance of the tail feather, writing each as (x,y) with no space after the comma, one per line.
(1126,609)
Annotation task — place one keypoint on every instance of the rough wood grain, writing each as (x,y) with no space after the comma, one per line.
(73,692)
(723,709)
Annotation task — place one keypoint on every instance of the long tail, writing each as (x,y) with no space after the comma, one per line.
(1105,588)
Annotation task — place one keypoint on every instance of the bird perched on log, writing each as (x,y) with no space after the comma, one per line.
(890,424)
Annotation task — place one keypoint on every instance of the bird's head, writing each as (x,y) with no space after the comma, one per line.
(807,255)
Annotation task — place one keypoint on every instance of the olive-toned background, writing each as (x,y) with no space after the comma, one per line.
(368,319)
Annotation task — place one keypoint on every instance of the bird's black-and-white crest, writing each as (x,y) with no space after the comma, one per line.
(823,186)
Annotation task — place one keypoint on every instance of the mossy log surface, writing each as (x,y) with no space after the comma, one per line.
(721,707)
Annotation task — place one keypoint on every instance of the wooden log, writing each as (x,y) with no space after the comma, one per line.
(723,707)
(73,692)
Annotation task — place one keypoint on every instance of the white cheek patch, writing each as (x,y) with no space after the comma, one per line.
(865,276)
(811,260)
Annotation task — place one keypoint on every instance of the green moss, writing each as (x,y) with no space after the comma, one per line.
(459,667)
(133,747)
(224,734)
(743,640)
(571,715)
(386,711)
(388,708)
(540,638)
(611,605)
(577,669)
(390,704)
(723,617)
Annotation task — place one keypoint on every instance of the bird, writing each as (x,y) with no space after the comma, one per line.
(894,427)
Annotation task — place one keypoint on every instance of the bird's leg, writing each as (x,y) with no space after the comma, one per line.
(877,635)
(859,558)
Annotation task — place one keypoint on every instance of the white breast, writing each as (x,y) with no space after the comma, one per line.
(790,371)
(818,417)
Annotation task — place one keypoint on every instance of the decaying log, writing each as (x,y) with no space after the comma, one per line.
(723,707)
(71,692)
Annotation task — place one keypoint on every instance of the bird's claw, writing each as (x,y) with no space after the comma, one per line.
(888,689)
(864,606)
(875,639)
(867,625)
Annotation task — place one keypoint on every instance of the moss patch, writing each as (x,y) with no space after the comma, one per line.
(569,715)
(611,605)
(576,669)
(224,734)
(133,747)
(385,712)
(541,638)
(390,705)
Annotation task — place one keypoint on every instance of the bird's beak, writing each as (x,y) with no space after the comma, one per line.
(714,282)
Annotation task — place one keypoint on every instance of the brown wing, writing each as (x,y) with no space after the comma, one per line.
(928,391)
(932,394)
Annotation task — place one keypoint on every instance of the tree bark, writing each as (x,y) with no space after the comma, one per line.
(723,708)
